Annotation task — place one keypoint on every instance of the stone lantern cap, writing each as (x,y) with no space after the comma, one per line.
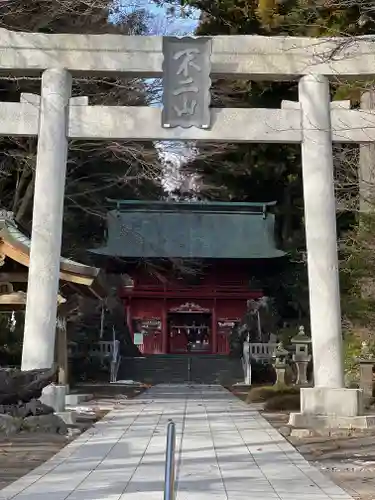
(301,337)
(280,356)
(280,351)
(366,354)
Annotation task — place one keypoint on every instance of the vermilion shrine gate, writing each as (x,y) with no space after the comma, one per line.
(312,122)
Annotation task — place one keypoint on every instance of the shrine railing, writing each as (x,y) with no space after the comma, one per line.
(103,348)
(262,350)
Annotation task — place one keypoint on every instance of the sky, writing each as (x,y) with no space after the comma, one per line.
(168,25)
(163,23)
(172,154)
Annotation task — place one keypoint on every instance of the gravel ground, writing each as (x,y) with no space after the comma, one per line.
(349,461)
(24,452)
(21,453)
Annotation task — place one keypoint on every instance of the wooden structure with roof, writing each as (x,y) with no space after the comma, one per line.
(75,279)
(225,244)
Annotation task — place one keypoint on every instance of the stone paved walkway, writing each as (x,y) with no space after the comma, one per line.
(225,451)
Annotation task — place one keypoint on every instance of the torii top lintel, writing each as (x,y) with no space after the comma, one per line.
(258,57)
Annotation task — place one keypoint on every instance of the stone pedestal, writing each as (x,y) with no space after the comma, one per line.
(54,396)
(323,407)
(280,373)
(301,365)
(77,399)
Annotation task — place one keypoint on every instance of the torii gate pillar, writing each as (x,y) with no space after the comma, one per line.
(329,403)
(321,234)
(44,270)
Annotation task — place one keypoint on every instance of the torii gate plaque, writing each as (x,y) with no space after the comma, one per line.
(186,82)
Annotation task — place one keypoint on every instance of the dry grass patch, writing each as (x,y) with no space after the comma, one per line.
(267,392)
(283,402)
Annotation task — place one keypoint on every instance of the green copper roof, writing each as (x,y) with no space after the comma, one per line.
(191,230)
(191,205)
(10,233)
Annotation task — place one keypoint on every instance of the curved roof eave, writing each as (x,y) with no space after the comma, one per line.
(13,236)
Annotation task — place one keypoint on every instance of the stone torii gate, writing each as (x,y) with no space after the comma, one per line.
(312,122)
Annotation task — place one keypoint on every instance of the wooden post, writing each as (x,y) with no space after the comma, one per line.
(62,350)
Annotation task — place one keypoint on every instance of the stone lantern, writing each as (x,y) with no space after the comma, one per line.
(280,358)
(301,356)
(366,362)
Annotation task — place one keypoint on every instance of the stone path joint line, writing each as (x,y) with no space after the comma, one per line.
(225,451)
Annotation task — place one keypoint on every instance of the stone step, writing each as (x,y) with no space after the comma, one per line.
(177,369)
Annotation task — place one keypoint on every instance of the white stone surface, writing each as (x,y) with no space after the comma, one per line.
(334,105)
(320,226)
(225,451)
(76,399)
(144,123)
(263,58)
(44,270)
(19,119)
(327,401)
(310,422)
(35,100)
(235,125)
(54,396)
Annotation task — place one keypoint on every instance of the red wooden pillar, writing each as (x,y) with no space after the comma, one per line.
(164,329)
(214,329)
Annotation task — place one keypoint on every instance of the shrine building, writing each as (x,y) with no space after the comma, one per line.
(191,267)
